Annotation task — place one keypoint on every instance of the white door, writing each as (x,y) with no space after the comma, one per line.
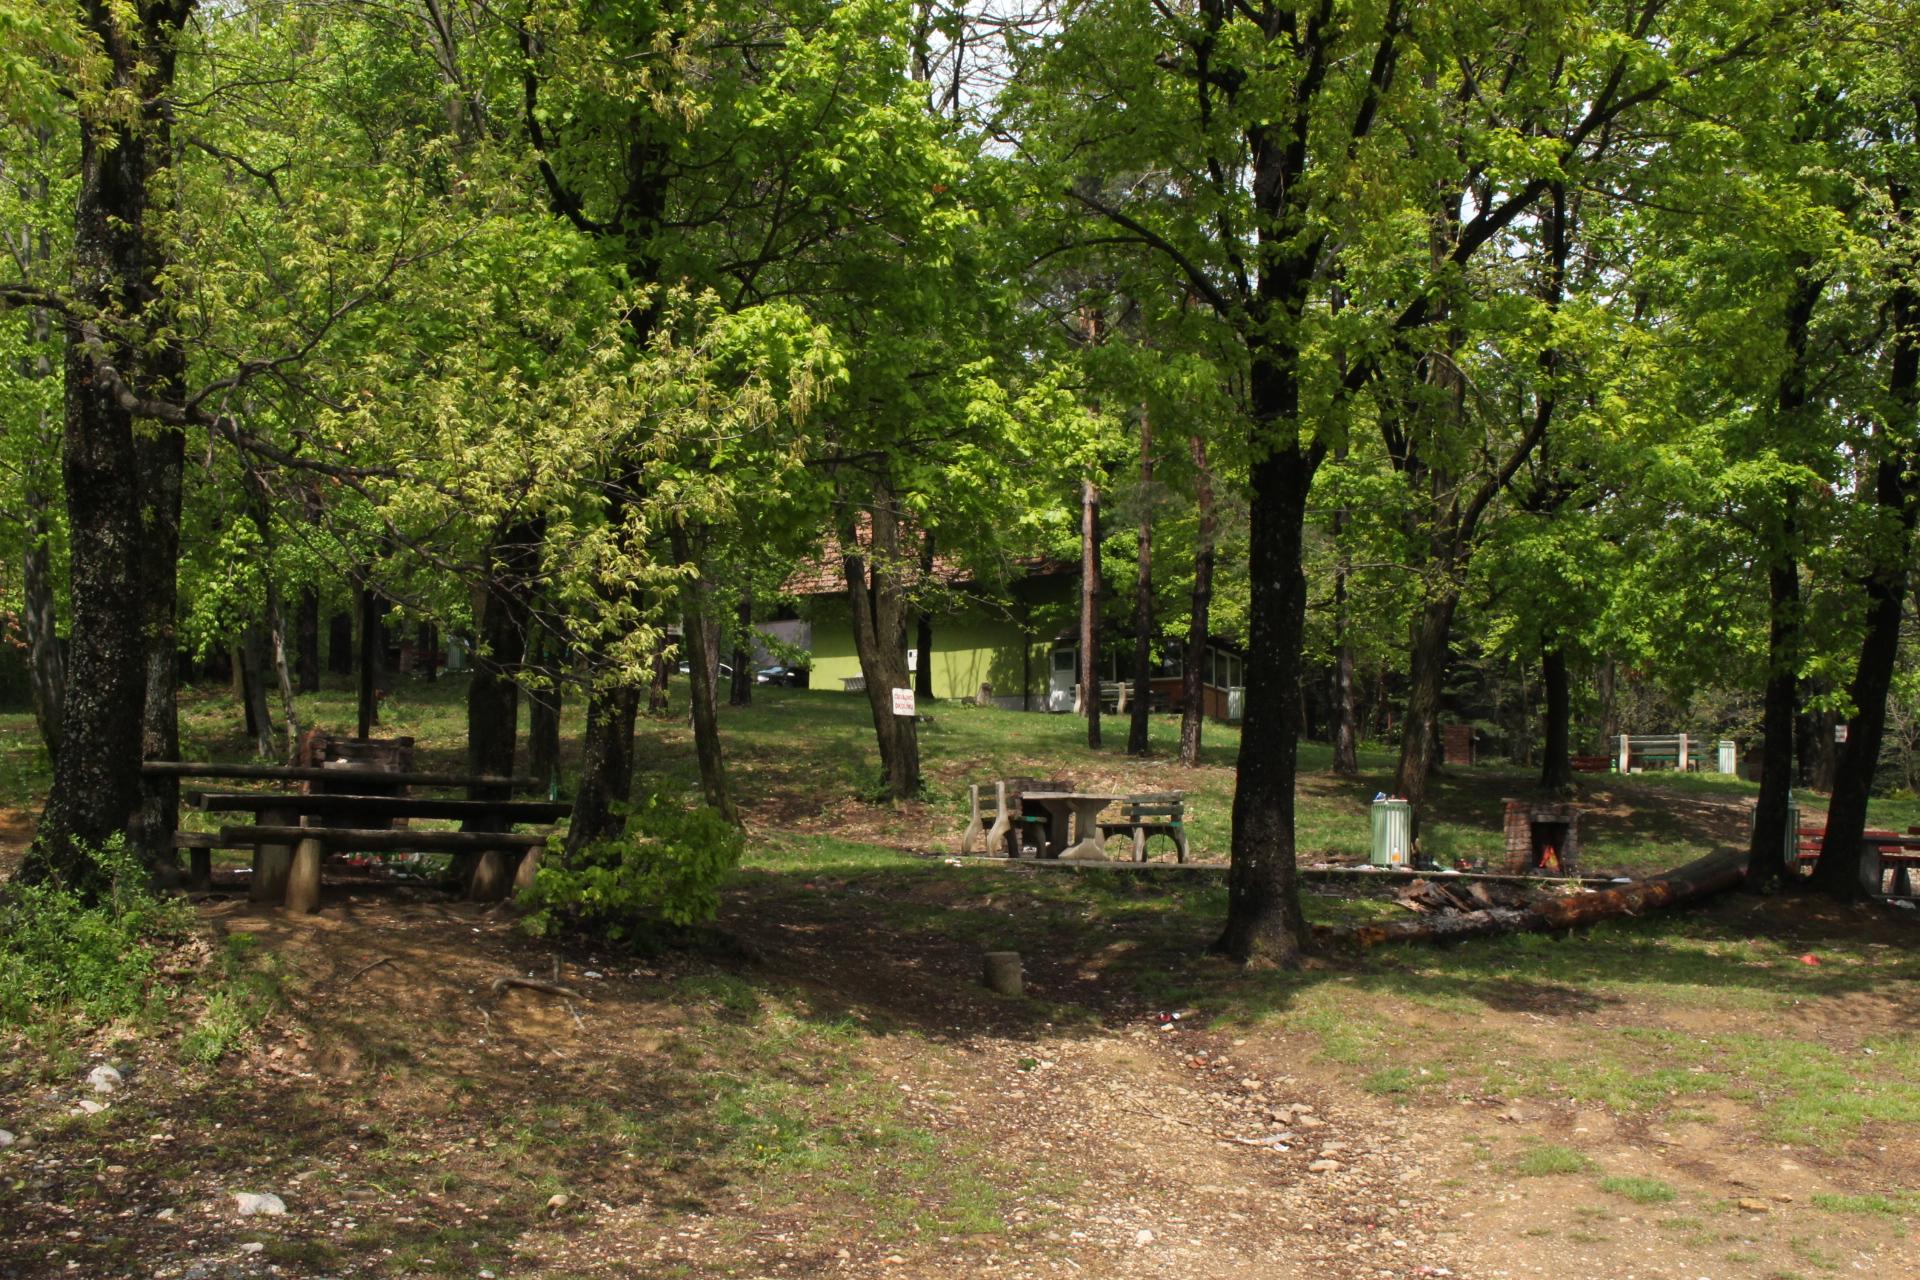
(1061,680)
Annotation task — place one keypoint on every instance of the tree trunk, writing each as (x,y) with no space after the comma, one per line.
(606,766)
(307,640)
(1843,869)
(46,665)
(493,694)
(1264,919)
(1143,602)
(1193,694)
(370,660)
(740,693)
(878,606)
(696,614)
(1346,712)
(255,661)
(116,266)
(1715,873)
(923,634)
(340,644)
(1090,610)
(1420,732)
(426,647)
(543,713)
(659,702)
(161,453)
(1766,855)
(277,653)
(1556,771)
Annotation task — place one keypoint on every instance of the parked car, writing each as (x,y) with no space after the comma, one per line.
(726,671)
(780,673)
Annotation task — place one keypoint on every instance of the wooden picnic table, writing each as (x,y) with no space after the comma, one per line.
(332,774)
(1084,806)
(291,832)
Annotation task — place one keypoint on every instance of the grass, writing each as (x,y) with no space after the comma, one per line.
(1640,1190)
(1546,1159)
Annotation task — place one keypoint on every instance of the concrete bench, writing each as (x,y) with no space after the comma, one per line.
(1153,813)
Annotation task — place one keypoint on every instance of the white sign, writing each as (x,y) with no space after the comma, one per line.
(903,702)
(1839,733)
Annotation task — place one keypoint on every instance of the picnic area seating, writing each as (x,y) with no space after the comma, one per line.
(1017,824)
(1894,863)
(360,806)
(1640,751)
(1152,813)
(1032,814)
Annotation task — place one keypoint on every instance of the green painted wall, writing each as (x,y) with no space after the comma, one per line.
(971,647)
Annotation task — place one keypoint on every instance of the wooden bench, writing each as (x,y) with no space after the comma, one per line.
(1153,813)
(1590,764)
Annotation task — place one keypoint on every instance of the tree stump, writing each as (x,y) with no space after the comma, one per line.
(1000,970)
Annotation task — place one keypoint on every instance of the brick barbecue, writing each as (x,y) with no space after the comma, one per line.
(1542,838)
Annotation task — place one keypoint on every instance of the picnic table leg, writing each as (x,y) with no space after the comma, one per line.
(1002,822)
(271,862)
(973,824)
(491,876)
(1086,830)
(200,877)
(1139,843)
(303,879)
(528,868)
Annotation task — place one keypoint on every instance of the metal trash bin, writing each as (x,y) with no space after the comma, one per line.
(1392,832)
(1791,844)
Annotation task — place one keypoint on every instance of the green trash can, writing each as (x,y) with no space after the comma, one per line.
(1392,832)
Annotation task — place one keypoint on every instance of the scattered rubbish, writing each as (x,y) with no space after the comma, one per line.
(558,1202)
(1905,904)
(1810,959)
(1142,1237)
(593,974)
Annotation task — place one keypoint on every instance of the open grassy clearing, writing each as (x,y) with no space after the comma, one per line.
(835,1095)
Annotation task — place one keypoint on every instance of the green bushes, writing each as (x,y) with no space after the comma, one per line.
(666,868)
(60,955)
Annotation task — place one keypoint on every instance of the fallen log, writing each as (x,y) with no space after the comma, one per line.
(1702,878)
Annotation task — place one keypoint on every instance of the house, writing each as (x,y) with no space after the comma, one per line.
(1019,639)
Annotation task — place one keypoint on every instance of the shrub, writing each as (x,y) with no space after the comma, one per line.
(666,867)
(60,954)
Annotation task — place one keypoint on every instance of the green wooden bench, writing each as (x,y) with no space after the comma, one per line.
(1152,813)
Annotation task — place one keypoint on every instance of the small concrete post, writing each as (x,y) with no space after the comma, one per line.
(490,877)
(1000,970)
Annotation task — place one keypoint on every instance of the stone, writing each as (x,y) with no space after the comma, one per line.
(1323,1166)
(251,1204)
(1752,1205)
(1310,1122)
(89,1107)
(1142,1238)
(253,1246)
(165,1215)
(104,1079)
(6,1139)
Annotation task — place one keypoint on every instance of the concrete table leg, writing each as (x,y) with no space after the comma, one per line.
(303,880)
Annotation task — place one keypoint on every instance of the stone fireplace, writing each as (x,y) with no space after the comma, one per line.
(1542,838)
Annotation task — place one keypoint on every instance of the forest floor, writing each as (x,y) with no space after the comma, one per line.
(827,1090)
